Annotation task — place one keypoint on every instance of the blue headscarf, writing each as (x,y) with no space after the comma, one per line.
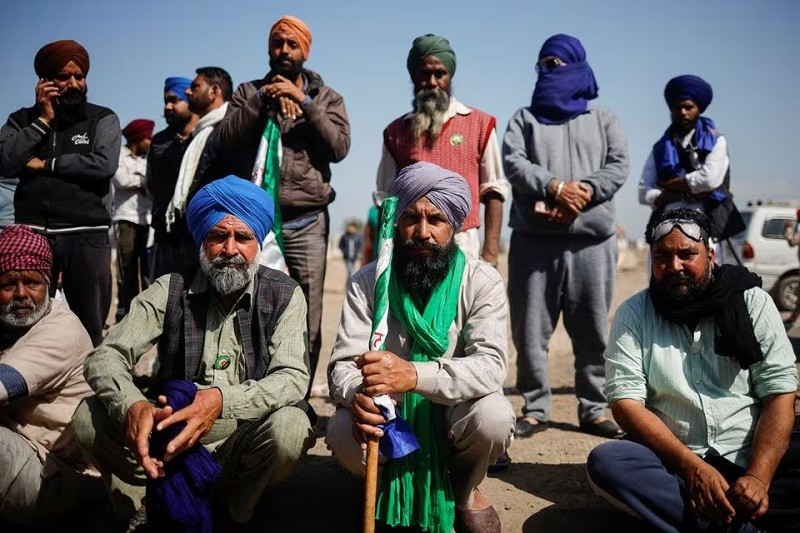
(177,85)
(689,87)
(230,196)
(563,92)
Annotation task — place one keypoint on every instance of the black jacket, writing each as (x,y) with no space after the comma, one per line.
(80,159)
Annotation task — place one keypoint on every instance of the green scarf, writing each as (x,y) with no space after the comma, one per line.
(416,489)
(272,174)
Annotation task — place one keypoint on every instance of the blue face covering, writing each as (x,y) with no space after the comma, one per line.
(563,92)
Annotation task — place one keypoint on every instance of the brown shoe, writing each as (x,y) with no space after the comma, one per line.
(477,520)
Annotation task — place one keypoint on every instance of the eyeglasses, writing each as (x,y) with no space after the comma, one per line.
(687,227)
(549,64)
(66,77)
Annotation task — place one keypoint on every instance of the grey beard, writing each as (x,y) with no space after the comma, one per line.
(225,275)
(10,320)
(430,106)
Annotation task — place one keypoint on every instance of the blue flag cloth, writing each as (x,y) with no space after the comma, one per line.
(667,159)
(230,196)
(398,438)
(563,92)
(181,500)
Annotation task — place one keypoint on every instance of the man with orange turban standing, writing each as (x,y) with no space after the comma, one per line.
(282,132)
(65,151)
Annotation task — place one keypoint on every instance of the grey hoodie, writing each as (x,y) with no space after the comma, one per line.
(590,148)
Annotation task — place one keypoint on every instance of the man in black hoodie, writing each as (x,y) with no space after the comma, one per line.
(65,151)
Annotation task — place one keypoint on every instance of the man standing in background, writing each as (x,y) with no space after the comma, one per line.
(442,130)
(173,251)
(308,123)
(131,213)
(65,151)
(565,162)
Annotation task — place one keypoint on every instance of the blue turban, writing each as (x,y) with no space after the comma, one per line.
(230,196)
(177,85)
(448,191)
(688,87)
(562,93)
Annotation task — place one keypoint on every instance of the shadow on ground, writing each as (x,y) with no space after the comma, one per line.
(565,518)
(574,508)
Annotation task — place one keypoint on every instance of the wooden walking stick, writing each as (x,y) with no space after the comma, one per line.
(379,330)
(371,485)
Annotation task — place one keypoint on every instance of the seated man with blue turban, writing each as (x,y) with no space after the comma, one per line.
(444,359)
(689,166)
(238,332)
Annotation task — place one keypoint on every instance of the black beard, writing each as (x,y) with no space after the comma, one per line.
(176,121)
(420,275)
(680,297)
(291,72)
(71,106)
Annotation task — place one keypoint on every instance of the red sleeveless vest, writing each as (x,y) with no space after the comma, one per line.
(459,148)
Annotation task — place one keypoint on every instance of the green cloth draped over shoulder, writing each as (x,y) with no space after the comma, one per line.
(416,489)
(272,174)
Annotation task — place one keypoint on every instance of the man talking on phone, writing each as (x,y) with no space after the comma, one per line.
(64,151)
(565,161)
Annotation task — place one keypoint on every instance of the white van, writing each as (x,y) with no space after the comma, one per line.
(763,249)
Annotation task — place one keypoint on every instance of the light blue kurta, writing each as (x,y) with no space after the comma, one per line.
(705,399)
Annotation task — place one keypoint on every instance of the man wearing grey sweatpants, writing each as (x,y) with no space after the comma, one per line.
(565,162)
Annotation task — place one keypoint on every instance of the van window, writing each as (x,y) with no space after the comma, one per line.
(774,227)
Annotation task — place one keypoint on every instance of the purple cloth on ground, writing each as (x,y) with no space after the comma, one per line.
(181,500)
(447,190)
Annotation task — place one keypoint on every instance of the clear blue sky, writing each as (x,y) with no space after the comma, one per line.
(748,51)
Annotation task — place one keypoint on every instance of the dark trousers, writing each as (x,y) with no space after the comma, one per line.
(305,252)
(84,262)
(132,267)
(631,476)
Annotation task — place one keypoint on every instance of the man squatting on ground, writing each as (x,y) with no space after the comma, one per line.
(238,332)
(701,376)
(435,294)
(44,478)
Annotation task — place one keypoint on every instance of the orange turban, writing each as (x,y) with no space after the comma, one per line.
(290,24)
(51,58)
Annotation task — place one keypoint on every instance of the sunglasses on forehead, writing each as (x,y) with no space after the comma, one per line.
(687,227)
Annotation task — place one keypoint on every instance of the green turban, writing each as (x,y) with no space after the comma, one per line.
(430,45)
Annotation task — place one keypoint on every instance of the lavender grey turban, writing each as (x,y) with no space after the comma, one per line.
(448,191)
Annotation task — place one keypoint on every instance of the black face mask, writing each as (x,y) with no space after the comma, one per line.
(420,275)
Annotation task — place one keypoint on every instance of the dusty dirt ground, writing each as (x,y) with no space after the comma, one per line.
(544,489)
